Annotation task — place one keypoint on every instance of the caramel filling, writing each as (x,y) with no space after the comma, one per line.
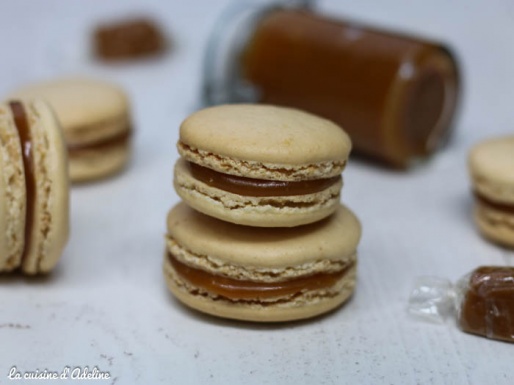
(258,187)
(22,125)
(488,305)
(235,289)
(119,139)
(503,207)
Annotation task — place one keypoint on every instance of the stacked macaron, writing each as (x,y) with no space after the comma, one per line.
(262,235)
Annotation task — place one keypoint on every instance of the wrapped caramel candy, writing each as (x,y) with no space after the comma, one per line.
(483,301)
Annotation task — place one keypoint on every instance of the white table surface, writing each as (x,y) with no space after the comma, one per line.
(107,305)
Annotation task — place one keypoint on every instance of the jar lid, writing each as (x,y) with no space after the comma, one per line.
(221,78)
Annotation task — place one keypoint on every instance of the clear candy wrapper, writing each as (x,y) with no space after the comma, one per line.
(482,301)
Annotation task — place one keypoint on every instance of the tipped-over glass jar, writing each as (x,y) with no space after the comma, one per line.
(395,95)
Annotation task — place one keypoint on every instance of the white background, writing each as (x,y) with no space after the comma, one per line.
(107,305)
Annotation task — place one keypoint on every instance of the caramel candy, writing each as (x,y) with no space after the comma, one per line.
(259,187)
(128,39)
(487,306)
(394,95)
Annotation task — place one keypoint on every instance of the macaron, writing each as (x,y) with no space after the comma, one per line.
(34,188)
(95,118)
(491,166)
(261,165)
(261,274)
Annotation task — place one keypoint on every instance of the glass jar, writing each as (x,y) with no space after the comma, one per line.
(395,95)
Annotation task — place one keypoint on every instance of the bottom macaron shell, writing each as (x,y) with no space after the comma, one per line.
(304,306)
(89,165)
(280,211)
(494,225)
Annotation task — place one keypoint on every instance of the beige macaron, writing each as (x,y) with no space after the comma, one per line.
(491,166)
(261,165)
(95,117)
(261,274)
(34,188)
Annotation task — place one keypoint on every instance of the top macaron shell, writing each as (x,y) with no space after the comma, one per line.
(273,136)
(491,165)
(332,239)
(88,109)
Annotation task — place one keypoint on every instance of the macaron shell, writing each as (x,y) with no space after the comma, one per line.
(333,239)
(87,109)
(50,226)
(88,165)
(495,225)
(12,193)
(280,211)
(261,170)
(304,306)
(265,133)
(98,132)
(491,165)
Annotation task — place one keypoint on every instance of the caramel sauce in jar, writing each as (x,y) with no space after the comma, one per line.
(394,95)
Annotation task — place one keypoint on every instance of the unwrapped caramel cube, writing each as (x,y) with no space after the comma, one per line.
(129,39)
